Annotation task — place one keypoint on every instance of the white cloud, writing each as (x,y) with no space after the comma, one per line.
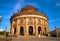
(18,5)
(33,3)
(58,4)
(54,20)
(1,29)
(0,16)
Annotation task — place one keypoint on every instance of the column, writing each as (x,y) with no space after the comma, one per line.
(12,28)
(18,27)
(25,27)
(36,29)
(26,34)
(12,31)
(33,30)
(41,26)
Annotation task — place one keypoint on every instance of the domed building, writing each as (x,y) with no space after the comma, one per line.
(29,23)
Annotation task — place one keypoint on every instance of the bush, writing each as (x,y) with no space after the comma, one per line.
(2,32)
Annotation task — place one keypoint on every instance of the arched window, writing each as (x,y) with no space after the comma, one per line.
(21,30)
(30,30)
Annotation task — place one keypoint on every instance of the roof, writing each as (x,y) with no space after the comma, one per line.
(28,7)
(55,31)
(28,10)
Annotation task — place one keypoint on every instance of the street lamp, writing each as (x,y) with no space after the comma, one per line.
(5,30)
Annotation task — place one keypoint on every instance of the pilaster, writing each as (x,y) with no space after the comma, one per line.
(18,27)
(12,28)
(26,34)
(36,27)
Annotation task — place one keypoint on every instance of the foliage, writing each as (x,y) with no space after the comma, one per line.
(2,32)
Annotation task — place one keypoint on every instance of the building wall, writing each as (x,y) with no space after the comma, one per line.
(16,22)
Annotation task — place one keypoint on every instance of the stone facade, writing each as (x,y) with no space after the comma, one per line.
(29,23)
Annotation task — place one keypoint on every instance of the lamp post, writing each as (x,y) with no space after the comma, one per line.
(5,30)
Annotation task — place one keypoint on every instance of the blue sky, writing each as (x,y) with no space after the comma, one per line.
(50,7)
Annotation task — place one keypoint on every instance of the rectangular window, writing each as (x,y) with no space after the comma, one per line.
(21,21)
(39,21)
(30,20)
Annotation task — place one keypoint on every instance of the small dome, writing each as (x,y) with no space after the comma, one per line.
(28,8)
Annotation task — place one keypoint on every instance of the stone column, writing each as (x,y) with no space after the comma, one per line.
(33,30)
(12,28)
(36,29)
(18,27)
(25,27)
(44,26)
(26,34)
(41,26)
(12,31)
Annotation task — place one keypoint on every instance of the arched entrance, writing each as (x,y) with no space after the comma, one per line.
(21,30)
(14,30)
(30,30)
(45,30)
(39,29)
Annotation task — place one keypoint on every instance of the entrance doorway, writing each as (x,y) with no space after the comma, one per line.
(14,30)
(39,29)
(30,30)
(21,30)
(45,30)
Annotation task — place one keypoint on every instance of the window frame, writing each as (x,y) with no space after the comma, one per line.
(30,20)
(21,20)
(39,21)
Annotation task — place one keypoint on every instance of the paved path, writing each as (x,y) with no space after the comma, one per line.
(32,39)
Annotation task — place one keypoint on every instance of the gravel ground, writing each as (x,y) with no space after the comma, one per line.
(31,39)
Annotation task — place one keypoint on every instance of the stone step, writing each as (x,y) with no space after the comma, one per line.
(23,39)
(32,39)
